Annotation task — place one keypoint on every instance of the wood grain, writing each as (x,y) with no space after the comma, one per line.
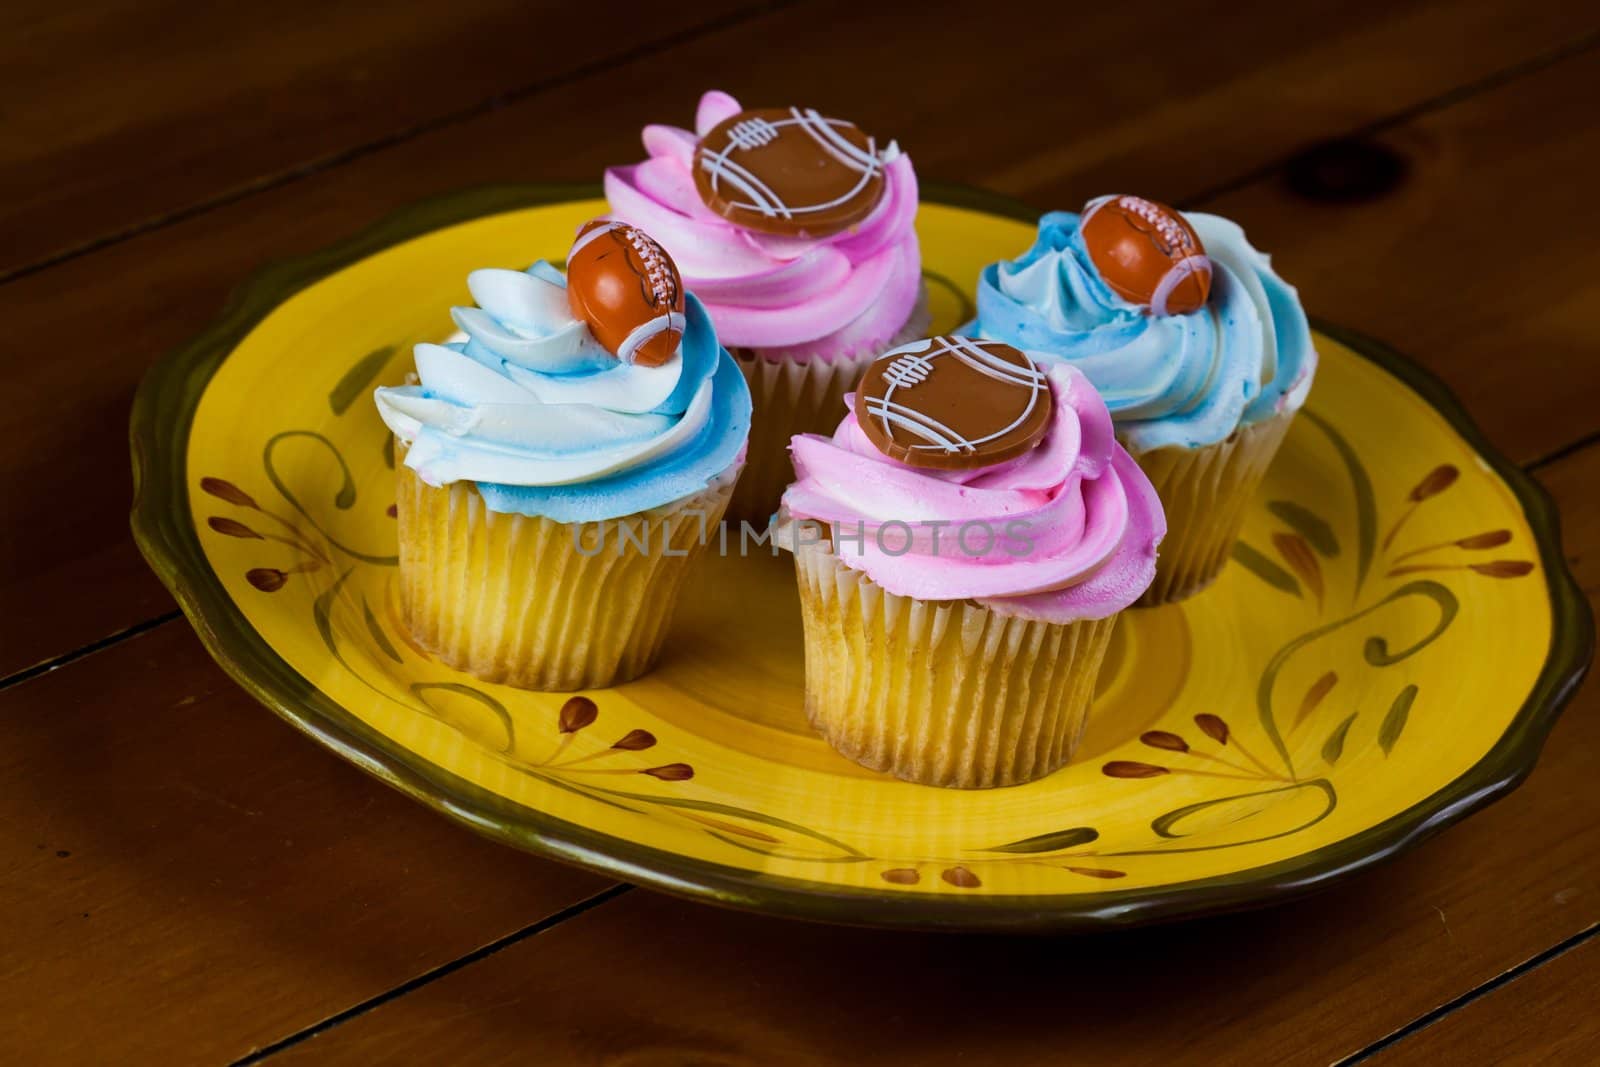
(1546,1016)
(118,114)
(647,979)
(1480,264)
(184,878)
(186,105)
(151,293)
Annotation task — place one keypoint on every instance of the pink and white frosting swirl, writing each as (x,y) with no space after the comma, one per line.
(788,297)
(1075,522)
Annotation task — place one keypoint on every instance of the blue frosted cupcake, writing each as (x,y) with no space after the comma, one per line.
(1202,354)
(561,466)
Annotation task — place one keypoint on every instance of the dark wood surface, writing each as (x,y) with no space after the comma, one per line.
(1546,1018)
(186,879)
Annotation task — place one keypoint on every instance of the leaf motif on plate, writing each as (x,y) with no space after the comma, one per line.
(636,741)
(226,490)
(849,852)
(1263,568)
(1167,825)
(1394,723)
(1096,872)
(1376,651)
(1434,482)
(266,579)
(1301,560)
(344,497)
(357,378)
(1122,768)
(1315,694)
(1333,747)
(1489,539)
(232,528)
(1308,524)
(1055,841)
(1361,488)
(1479,542)
(577,713)
(961,878)
(1164,739)
(379,638)
(1504,568)
(469,724)
(1212,726)
(733,828)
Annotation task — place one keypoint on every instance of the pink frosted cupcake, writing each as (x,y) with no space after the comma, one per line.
(796,231)
(964,543)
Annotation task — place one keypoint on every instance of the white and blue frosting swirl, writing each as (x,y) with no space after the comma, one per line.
(548,423)
(1173,380)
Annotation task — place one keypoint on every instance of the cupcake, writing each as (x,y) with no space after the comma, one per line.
(1201,352)
(964,542)
(562,464)
(797,232)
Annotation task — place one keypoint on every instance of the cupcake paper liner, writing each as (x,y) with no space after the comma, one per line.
(795,395)
(1205,492)
(510,598)
(944,693)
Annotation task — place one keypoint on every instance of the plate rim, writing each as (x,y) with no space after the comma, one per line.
(163,414)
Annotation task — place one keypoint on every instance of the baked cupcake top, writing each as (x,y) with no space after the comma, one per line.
(549,421)
(1178,321)
(795,228)
(967,470)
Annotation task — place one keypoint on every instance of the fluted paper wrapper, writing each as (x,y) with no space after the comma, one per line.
(944,693)
(799,395)
(1205,493)
(510,598)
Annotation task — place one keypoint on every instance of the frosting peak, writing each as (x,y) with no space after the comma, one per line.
(1183,379)
(522,317)
(1065,531)
(548,422)
(793,171)
(831,292)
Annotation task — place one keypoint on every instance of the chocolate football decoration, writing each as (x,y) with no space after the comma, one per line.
(953,403)
(789,171)
(627,289)
(1147,253)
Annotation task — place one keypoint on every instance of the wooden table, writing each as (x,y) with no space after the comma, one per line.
(184,878)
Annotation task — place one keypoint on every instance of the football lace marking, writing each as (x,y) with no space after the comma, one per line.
(974,356)
(840,148)
(909,370)
(984,363)
(756,133)
(917,423)
(1171,234)
(663,290)
(752,133)
(967,352)
(762,198)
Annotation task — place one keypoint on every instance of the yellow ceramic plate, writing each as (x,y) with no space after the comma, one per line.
(1386,654)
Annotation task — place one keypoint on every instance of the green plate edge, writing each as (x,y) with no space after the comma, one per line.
(163,412)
